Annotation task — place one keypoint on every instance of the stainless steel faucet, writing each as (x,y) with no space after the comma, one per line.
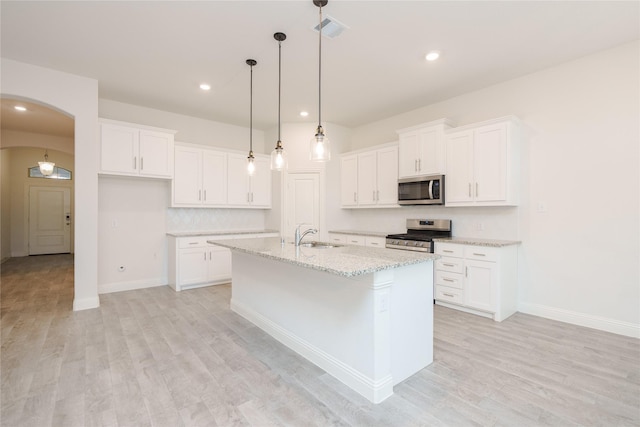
(298,237)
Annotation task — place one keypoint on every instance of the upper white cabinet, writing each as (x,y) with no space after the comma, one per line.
(127,149)
(200,177)
(482,164)
(422,150)
(248,191)
(369,178)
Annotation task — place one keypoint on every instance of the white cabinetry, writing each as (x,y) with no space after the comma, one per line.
(357,239)
(482,164)
(127,149)
(369,178)
(477,279)
(248,191)
(194,263)
(197,263)
(421,149)
(200,177)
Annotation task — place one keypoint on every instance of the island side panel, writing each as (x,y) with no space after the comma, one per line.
(411,320)
(341,324)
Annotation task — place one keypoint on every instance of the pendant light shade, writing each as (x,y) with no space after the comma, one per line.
(278,155)
(46,167)
(251,166)
(320,147)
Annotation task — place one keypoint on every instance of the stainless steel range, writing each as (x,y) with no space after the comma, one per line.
(420,234)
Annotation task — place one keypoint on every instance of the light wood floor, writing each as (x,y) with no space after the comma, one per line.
(154,357)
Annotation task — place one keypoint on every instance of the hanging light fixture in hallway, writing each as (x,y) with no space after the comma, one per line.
(278,155)
(46,167)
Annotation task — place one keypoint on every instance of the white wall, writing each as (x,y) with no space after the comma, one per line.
(579,260)
(5,205)
(13,138)
(78,97)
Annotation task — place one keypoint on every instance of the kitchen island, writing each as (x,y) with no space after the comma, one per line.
(364,315)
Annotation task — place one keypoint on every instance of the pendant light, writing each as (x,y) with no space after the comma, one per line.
(278,155)
(320,145)
(251,167)
(46,167)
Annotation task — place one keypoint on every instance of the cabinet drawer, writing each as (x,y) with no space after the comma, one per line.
(449,249)
(445,293)
(481,253)
(454,280)
(354,240)
(337,238)
(453,265)
(192,242)
(375,242)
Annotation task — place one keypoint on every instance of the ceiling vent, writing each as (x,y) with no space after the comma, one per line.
(331,27)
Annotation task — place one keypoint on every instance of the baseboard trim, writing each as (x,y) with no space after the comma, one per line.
(107,288)
(581,319)
(86,303)
(375,391)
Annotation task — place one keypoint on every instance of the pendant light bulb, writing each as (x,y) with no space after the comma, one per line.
(46,167)
(319,147)
(278,155)
(251,166)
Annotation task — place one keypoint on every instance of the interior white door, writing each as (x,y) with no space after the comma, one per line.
(302,204)
(49,220)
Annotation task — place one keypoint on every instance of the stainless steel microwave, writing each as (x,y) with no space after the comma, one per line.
(421,190)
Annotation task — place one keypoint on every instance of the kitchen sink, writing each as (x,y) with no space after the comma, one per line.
(319,245)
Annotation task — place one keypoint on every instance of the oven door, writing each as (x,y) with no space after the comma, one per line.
(423,190)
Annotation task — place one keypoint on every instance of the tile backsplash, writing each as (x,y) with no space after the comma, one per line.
(197,219)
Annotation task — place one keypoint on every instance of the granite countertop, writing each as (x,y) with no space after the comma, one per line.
(347,260)
(477,242)
(217,232)
(361,233)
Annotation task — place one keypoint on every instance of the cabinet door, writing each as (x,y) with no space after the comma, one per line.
(119,149)
(432,158)
(490,163)
(156,154)
(260,191)
(219,264)
(480,285)
(187,176)
(408,154)
(387,193)
(238,180)
(349,180)
(367,177)
(459,176)
(214,178)
(194,266)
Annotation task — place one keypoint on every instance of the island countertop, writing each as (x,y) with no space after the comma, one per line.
(347,261)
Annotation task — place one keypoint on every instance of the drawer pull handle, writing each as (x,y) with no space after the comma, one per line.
(447,251)
(448,295)
(448,280)
(193,243)
(477,254)
(448,265)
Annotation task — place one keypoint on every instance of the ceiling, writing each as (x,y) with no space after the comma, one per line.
(155,54)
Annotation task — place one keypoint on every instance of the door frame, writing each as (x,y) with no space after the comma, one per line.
(323,235)
(27,208)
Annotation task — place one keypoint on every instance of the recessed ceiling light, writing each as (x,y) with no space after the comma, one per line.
(433,55)
(20,108)
(205,86)
(304,113)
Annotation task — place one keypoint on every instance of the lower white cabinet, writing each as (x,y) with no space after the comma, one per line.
(194,263)
(357,239)
(477,279)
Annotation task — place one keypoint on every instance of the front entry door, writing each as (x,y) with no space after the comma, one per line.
(302,204)
(49,220)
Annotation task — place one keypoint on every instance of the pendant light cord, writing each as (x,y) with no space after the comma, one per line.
(320,70)
(251,111)
(279,82)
